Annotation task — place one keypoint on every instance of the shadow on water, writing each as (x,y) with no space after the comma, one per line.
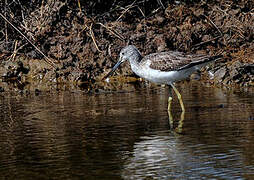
(126,135)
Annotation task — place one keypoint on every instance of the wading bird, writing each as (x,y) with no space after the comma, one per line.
(164,67)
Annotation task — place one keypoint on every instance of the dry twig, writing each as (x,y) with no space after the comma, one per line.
(93,38)
(112,31)
(126,10)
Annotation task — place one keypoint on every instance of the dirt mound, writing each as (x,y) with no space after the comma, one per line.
(84,39)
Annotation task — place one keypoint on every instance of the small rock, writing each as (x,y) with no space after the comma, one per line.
(221,106)
(205,38)
(160,43)
(249,68)
(37,92)
(139,27)
(219,74)
(1,89)
(160,19)
(233,12)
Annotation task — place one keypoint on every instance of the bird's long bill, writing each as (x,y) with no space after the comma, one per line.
(113,69)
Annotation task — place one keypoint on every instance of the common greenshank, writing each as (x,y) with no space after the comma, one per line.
(164,67)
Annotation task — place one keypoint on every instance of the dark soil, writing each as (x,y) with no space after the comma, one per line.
(83,39)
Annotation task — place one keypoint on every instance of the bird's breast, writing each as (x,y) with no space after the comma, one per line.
(157,76)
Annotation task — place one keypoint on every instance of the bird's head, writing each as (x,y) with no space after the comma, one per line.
(130,53)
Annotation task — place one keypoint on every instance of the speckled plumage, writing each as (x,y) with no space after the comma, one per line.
(173,60)
(164,67)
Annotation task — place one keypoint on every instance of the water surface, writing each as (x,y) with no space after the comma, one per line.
(126,135)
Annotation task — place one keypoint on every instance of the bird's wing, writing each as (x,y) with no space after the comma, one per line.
(201,61)
(173,60)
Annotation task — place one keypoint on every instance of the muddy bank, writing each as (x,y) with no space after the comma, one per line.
(83,40)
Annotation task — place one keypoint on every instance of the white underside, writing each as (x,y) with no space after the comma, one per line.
(162,77)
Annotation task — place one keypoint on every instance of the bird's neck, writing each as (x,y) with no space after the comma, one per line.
(135,62)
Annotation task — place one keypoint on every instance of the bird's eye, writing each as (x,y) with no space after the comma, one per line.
(122,54)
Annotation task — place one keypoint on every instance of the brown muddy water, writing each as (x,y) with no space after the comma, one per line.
(125,135)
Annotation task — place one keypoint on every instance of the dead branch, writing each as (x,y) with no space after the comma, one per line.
(126,10)
(161,4)
(143,14)
(113,32)
(93,38)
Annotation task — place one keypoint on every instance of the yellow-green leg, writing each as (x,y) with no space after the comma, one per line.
(178,96)
(170,117)
(179,128)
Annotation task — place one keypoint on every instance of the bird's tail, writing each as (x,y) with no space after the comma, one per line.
(203,62)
